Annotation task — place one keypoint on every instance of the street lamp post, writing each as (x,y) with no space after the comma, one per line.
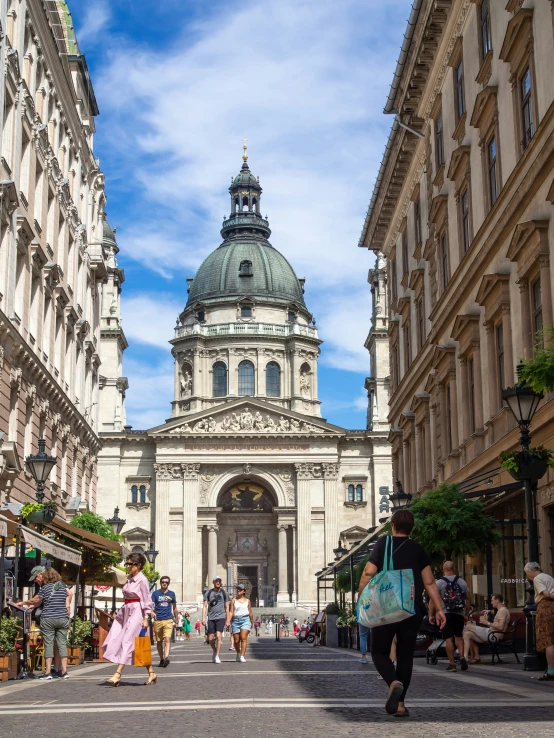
(400,499)
(523,402)
(117,526)
(40,466)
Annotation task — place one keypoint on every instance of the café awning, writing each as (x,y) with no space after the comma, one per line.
(7,526)
(55,549)
(92,540)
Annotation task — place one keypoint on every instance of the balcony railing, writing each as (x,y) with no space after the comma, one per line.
(246,329)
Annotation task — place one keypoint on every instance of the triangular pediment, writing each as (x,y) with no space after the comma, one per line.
(247,416)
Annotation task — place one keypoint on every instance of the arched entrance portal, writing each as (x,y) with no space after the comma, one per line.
(248,522)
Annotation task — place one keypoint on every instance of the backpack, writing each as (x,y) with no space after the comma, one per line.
(453,596)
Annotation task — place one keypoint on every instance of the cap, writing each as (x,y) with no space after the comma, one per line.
(241,586)
(35,571)
(217,578)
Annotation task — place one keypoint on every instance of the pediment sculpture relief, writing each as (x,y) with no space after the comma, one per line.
(248,421)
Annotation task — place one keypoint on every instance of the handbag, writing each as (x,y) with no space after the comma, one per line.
(143,650)
(389,596)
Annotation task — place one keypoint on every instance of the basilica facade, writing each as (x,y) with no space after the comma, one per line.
(245,480)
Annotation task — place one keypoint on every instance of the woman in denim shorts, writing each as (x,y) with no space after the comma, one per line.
(242,618)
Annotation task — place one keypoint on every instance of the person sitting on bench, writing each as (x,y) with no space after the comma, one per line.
(479,633)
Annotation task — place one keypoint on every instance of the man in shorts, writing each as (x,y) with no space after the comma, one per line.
(216,604)
(165,614)
(454,594)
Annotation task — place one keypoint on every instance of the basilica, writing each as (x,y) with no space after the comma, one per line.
(246,479)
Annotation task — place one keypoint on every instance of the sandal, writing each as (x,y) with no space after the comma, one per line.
(402,713)
(115,682)
(391,705)
(152,679)
(474,661)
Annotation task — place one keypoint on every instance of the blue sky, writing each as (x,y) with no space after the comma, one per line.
(179,85)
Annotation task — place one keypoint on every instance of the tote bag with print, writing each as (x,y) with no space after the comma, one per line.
(389,596)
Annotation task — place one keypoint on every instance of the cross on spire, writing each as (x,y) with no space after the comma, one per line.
(245,155)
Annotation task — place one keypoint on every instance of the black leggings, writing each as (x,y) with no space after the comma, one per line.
(381,641)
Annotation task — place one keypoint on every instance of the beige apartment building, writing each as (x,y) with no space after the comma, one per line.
(463,213)
(59,281)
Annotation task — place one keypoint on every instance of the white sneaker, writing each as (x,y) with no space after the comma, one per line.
(242,659)
(217,660)
(363,660)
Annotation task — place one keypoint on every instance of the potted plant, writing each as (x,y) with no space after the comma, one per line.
(332,632)
(36,512)
(530,463)
(79,632)
(9,657)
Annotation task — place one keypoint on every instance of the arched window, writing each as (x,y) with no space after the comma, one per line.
(273,379)
(350,493)
(359,493)
(245,203)
(246,378)
(134,493)
(142,491)
(220,379)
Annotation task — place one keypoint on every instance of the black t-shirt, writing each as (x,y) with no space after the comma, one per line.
(406,554)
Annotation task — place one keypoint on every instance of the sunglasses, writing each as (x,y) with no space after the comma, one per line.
(164,582)
(129,563)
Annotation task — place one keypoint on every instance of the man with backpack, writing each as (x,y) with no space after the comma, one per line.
(454,593)
(216,605)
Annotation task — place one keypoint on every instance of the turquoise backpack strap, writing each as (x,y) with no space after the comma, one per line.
(387,558)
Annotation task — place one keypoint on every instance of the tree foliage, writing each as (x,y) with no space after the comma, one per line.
(447,524)
(94,563)
(344,583)
(538,372)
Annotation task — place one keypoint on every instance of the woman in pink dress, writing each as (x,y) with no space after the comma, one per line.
(119,645)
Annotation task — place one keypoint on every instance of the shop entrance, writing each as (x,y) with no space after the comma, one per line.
(248,576)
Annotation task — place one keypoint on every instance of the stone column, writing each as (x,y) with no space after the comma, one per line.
(282,592)
(433,451)
(420,459)
(526,329)
(294,565)
(508,351)
(494,391)
(546,293)
(191,493)
(200,585)
(443,423)
(427,441)
(165,474)
(304,514)
(406,463)
(477,385)
(454,410)
(330,479)
(212,552)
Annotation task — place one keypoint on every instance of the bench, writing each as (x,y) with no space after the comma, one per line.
(507,641)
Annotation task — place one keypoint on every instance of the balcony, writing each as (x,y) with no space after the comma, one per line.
(246,329)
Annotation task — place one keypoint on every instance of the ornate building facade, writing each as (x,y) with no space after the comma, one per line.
(57,255)
(463,214)
(245,480)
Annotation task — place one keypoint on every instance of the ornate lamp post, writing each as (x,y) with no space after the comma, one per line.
(523,402)
(339,551)
(400,499)
(116,522)
(151,555)
(40,466)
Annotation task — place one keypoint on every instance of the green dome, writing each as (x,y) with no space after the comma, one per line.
(108,234)
(221,276)
(245,178)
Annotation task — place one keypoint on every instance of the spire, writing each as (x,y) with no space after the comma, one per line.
(245,155)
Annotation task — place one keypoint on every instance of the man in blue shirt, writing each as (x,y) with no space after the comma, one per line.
(165,614)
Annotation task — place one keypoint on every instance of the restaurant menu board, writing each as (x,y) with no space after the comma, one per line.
(8,587)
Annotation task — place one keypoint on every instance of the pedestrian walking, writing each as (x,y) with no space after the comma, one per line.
(165,614)
(54,620)
(119,646)
(257,626)
(406,554)
(286,623)
(270,625)
(454,594)
(197,628)
(544,597)
(187,627)
(179,626)
(295,626)
(216,605)
(242,618)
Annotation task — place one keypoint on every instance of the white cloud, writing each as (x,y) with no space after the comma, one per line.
(150,318)
(147,401)
(97,16)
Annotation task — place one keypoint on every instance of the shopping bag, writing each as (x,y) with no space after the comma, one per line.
(143,650)
(389,596)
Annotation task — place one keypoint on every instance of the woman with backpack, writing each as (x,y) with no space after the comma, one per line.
(406,555)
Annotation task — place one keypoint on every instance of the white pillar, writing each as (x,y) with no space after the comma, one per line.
(191,493)
(212,553)
(282,593)
(165,474)
(200,564)
(306,582)
(294,565)
(331,474)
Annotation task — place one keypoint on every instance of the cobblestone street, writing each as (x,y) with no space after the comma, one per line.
(283,689)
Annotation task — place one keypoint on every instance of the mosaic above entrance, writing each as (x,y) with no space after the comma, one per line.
(247,497)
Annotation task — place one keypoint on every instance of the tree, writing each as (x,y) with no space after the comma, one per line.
(448,525)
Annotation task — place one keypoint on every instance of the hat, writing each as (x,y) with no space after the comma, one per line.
(216,578)
(241,586)
(35,571)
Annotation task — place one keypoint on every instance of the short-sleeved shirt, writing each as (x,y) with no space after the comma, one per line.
(406,554)
(53,597)
(462,584)
(163,604)
(216,604)
(543,582)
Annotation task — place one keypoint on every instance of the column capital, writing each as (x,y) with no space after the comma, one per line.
(308,471)
(168,471)
(282,527)
(213,528)
(331,470)
(190,471)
